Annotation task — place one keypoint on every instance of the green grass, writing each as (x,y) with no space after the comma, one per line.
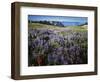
(38,25)
(72,28)
(77,28)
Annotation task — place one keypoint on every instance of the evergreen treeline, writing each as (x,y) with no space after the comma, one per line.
(55,23)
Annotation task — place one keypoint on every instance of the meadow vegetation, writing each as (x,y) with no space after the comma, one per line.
(56,45)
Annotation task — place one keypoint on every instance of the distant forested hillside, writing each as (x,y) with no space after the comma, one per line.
(59,23)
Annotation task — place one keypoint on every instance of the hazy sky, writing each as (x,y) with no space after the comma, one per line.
(57,18)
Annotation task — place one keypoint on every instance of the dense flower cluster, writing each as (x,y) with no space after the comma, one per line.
(48,47)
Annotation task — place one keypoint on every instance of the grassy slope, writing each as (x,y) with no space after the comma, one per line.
(74,28)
